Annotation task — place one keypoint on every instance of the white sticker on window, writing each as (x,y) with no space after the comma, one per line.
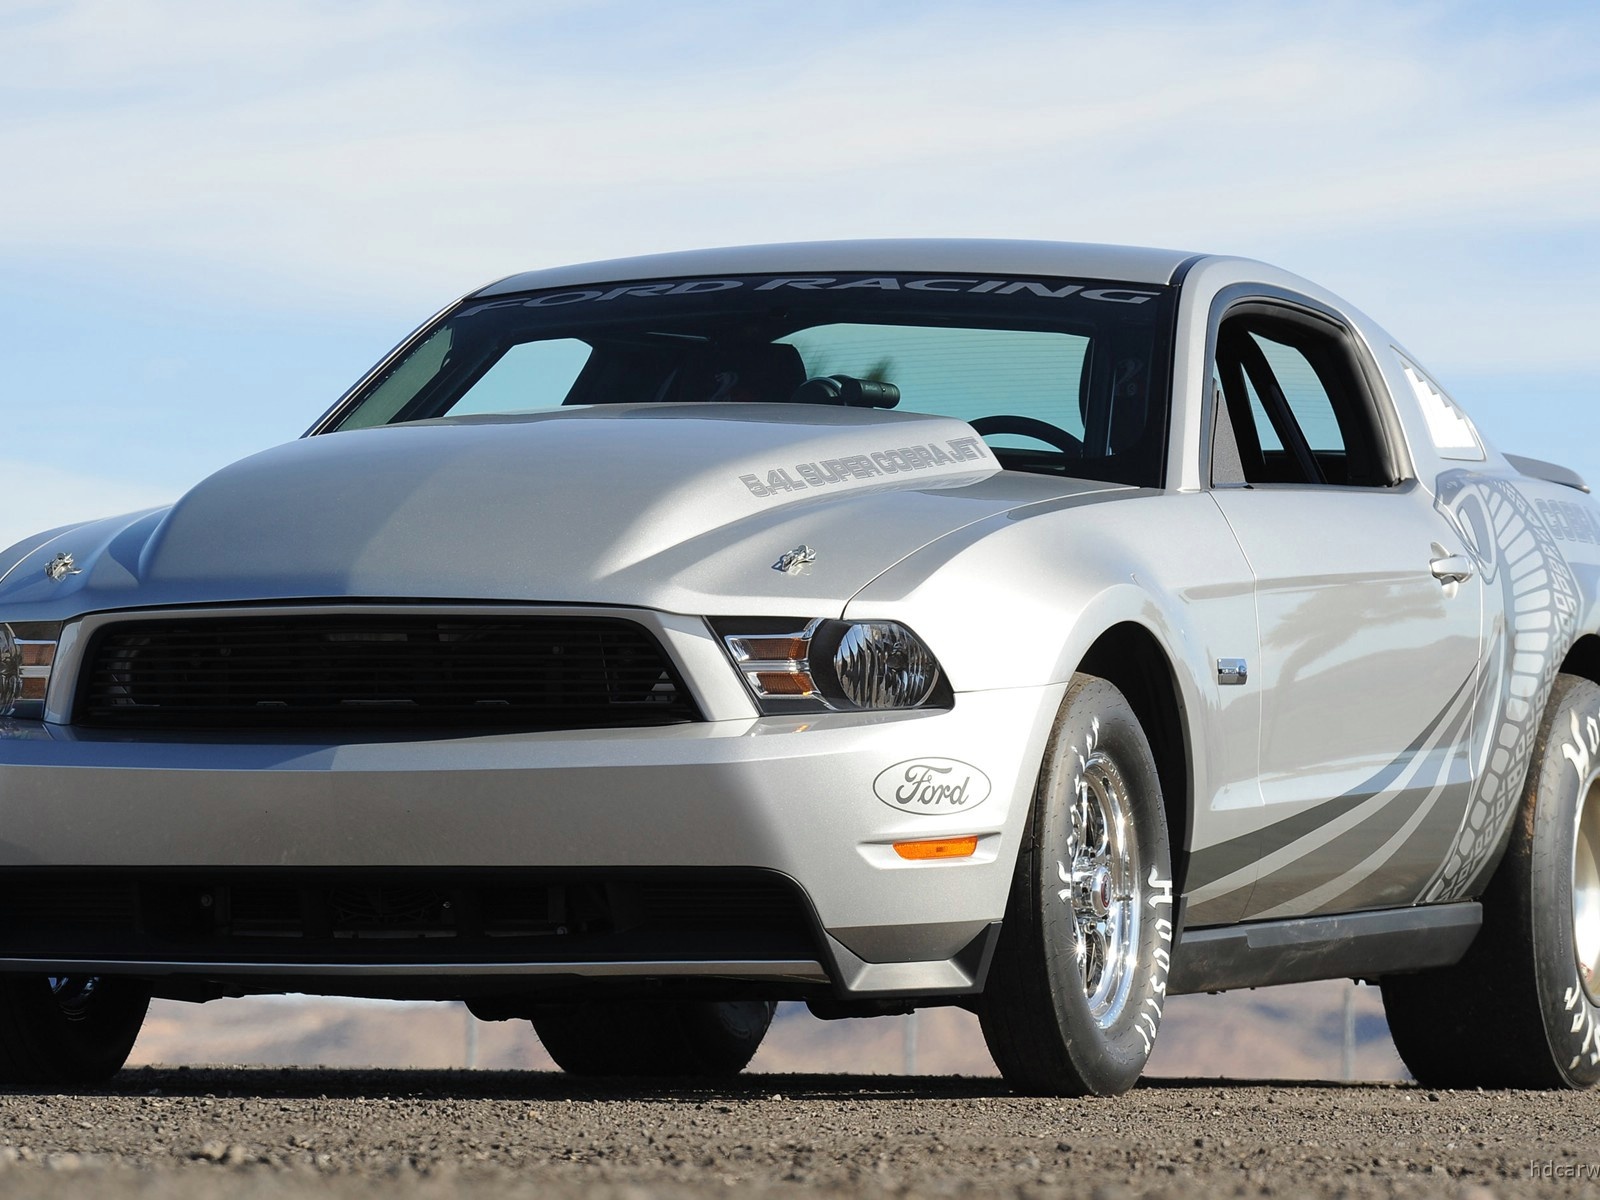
(1451,429)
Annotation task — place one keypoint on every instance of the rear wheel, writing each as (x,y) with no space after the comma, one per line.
(1073,1000)
(1522,1009)
(706,1037)
(67,1029)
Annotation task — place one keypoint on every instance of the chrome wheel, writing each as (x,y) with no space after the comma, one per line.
(1100,878)
(1072,1005)
(68,1029)
(74,994)
(1586,888)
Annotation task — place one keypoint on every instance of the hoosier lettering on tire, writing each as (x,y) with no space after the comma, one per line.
(1074,998)
(1522,1009)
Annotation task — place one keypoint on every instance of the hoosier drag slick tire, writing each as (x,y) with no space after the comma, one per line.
(67,1029)
(1522,1009)
(1073,999)
(704,1037)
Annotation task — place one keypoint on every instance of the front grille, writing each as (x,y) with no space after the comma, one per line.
(262,915)
(522,672)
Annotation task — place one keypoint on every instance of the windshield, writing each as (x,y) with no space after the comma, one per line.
(1058,376)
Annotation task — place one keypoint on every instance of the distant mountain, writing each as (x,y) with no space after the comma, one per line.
(1276,1033)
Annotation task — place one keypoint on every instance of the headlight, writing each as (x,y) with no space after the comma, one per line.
(813,666)
(27,652)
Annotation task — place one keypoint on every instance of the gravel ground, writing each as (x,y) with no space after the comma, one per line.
(262,1132)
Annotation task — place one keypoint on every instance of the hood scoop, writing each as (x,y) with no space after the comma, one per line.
(550,506)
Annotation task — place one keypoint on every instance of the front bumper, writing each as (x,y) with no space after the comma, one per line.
(791,797)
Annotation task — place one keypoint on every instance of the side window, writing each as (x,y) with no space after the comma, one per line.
(1294,401)
(1303,392)
(1267,435)
(1451,430)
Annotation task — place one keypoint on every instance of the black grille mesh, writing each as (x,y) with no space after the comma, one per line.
(380,671)
(246,914)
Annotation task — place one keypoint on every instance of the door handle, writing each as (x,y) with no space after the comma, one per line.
(1452,568)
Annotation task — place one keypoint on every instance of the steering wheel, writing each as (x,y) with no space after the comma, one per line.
(1039,430)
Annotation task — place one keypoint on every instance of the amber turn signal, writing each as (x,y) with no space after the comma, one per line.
(956,847)
(784,683)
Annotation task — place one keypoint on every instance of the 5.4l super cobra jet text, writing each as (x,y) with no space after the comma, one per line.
(865,466)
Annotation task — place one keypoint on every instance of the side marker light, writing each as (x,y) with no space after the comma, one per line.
(956,847)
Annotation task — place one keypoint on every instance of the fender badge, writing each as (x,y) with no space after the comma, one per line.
(1232,671)
(792,560)
(59,567)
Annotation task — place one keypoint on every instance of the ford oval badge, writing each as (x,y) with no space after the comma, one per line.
(932,786)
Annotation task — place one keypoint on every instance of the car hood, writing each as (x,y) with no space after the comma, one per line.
(678,508)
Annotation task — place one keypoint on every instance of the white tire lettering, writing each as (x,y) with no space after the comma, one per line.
(1575,751)
(1162,889)
(1583,1018)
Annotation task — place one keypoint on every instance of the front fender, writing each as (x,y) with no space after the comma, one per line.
(1018,601)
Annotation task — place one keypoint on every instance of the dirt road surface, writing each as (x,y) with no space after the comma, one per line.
(249,1133)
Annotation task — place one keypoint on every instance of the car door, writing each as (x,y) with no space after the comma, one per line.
(1369,618)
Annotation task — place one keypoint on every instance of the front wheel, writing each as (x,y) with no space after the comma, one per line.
(1074,996)
(1522,1008)
(694,1037)
(67,1029)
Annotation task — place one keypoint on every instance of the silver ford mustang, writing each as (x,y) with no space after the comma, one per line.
(1043,629)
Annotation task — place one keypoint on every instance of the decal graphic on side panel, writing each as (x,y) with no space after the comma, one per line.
(1523,649)
(1346,839)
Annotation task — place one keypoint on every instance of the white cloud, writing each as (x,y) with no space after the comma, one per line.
(370,147)
(1439,164)
(89,46)
(389,155)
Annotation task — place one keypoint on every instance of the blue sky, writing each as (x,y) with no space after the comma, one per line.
(215,216)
